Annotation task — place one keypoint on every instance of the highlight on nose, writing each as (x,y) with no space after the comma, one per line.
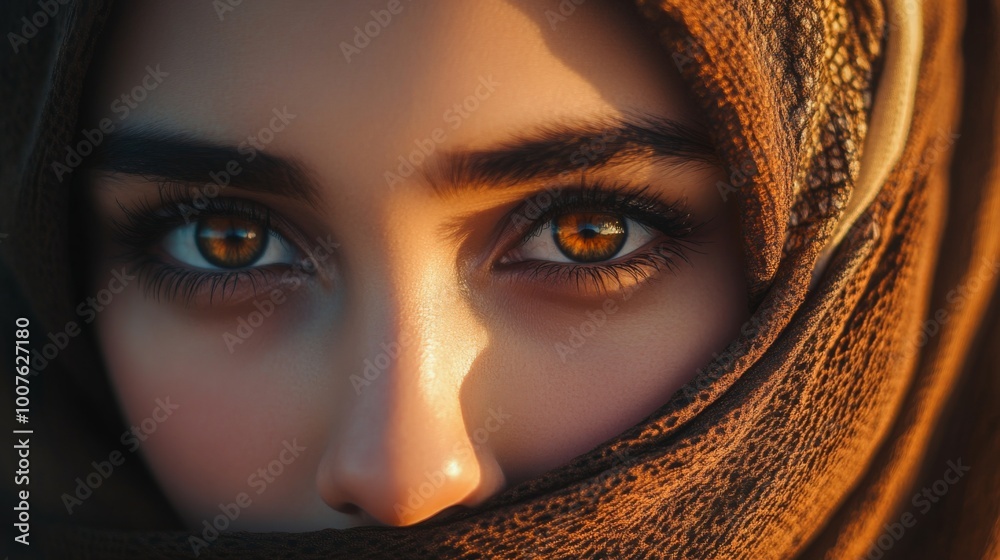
(403,453)
(394,489)
(405,447)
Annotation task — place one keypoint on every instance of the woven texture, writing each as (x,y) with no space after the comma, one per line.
(812,431)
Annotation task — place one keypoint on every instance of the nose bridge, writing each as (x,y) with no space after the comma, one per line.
(402,453)
(421,325)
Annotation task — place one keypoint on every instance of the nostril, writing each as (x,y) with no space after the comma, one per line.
(348,508)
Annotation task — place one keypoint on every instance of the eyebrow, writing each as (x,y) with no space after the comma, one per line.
(554,150)
(162,155)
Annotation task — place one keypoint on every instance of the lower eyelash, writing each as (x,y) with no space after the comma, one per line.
(672,221)
(145,225)
(609,277)
(165,282)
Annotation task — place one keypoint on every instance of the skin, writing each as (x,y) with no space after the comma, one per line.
(477,398)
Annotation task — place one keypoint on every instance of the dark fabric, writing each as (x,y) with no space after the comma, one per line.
(808,437)
(74,414)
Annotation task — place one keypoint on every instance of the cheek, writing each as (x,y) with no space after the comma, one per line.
(233,413)
(576,379)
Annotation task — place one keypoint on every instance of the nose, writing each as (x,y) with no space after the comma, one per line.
(403,452)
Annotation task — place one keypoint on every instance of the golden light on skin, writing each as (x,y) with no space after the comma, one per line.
(408,265)
(452,469)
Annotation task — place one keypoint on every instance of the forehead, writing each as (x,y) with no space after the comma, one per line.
(366,79)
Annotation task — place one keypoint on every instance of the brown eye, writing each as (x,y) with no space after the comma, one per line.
(589,236)
(230,242)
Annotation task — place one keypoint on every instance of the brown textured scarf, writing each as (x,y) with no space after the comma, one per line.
(857,415)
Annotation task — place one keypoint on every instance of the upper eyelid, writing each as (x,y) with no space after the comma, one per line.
(602,191)
(144,225)
(635,202)
(615,198)
(258,212)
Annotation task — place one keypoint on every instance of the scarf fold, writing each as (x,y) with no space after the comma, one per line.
(869,204)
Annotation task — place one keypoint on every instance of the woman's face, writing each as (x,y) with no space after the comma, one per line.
(392,256)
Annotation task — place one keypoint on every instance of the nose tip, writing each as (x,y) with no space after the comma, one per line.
(401,452)
(401,493)
(402,463)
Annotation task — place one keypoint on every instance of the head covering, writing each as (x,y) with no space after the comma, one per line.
(862,144)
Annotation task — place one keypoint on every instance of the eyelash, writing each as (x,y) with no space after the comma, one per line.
(673,221)
(145,225)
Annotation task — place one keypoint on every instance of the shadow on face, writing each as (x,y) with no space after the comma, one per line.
(393,257)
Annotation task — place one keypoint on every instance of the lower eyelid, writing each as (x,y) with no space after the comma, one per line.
(628,271)
(579,281)
(138,237)
(170,283)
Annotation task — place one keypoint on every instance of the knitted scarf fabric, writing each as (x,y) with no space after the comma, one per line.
(862,144)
